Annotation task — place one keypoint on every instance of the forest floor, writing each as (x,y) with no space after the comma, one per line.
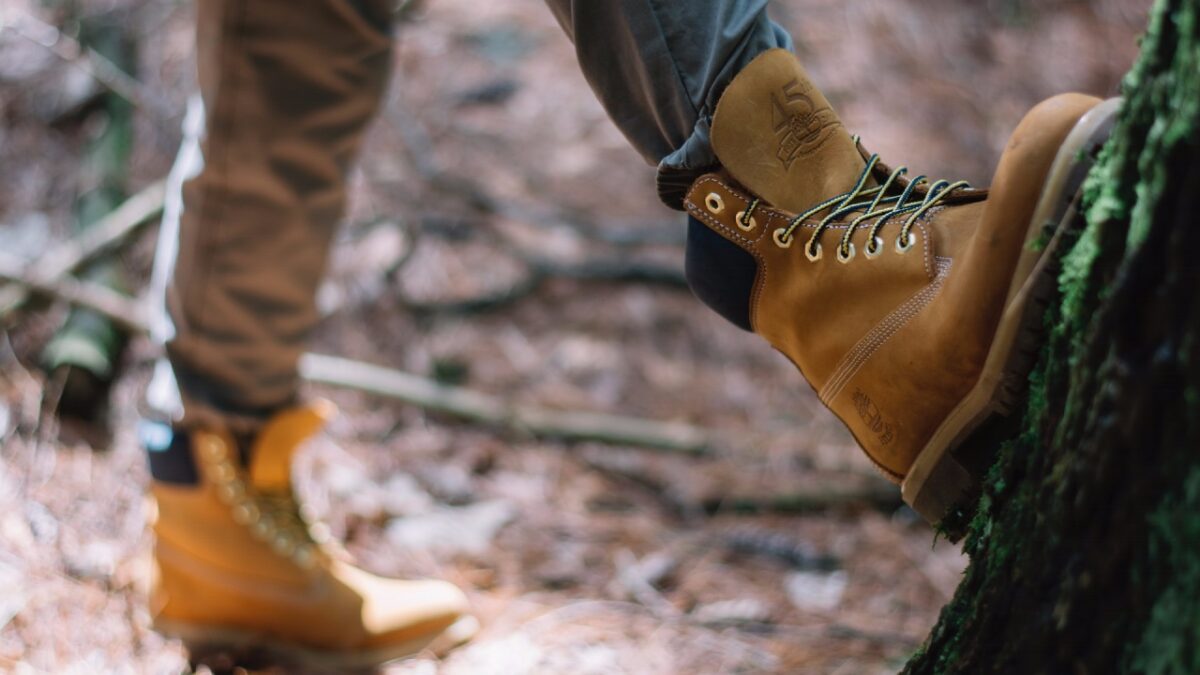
(579,558)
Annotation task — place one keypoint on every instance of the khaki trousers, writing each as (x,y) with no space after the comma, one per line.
(289,87)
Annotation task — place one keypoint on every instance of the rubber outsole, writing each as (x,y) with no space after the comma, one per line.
(948,469)
(203,642)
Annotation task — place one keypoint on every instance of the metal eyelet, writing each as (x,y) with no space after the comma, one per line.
(283,545)
(904,246)
(814,256)
(262,527)
(742,225)
(874,248)
(714,203)
(213,448)
(845,257)
(246,513)
(231,491)
(781,238)
(223,472)
(304,557)
(320,533)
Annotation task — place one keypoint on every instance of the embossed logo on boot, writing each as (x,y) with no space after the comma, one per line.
(872,416)
(799,124)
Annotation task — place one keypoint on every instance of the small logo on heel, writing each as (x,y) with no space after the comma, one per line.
(873,417)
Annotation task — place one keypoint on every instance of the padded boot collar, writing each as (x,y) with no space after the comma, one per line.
(776,134)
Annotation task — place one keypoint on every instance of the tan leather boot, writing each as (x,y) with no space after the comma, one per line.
(239,566)
(909,305)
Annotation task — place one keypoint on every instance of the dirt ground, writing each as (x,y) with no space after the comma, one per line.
(580,558)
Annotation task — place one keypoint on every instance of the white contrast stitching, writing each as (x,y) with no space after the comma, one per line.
(878,336)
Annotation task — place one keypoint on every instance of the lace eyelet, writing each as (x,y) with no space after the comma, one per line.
(263,527)
(223,472)
(874,248)
(814,255)
(304,557)
(245,514)
(846,256)
(320,533)
(283,545)
(714,203)
(213,448)
(780,239)
(231,491)
(902,245)
(742,225)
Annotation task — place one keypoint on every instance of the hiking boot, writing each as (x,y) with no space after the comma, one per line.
(911,306)
(239,566)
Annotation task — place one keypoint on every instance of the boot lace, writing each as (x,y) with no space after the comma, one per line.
(880,203)
(273,517)
(294,534)
(284,512)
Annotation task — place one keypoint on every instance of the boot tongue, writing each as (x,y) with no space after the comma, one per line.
(276,443)
(776,134)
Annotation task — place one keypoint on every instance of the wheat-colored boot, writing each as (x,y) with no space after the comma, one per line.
(911,306)
(239,566)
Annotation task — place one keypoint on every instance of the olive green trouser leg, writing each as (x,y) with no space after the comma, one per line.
(288,89)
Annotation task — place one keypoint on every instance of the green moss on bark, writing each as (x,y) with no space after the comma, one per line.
(1169,642)
(1085,546)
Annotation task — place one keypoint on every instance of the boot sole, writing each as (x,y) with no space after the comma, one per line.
(204,640)
(942,475)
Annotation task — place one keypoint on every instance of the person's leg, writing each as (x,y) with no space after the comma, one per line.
(912,358)
(659,67)
(288,89)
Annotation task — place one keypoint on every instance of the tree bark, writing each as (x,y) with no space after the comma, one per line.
(1085,547)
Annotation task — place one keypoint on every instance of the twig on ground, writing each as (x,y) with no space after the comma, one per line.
(429,394)
(494,411)
(117,307)
(95,64)
(53,267)
(876,494)
(637,578)
(417,149)
(539,271)
(631,469)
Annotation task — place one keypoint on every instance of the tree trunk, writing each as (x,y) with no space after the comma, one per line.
(1085,548)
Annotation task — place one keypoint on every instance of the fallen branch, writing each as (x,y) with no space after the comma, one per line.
(48,271)
(631,469)
(539,271)
(876,494)
(122,310)
(99,67)
(463,403)
(494,411)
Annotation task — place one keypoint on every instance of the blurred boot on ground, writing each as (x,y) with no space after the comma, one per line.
(238,565)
